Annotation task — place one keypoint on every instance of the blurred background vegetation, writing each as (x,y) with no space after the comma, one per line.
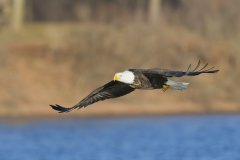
(57,51)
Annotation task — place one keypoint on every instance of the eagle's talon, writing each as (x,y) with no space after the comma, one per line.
(165,87)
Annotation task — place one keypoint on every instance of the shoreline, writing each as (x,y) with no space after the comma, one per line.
(105,110)
(33,119)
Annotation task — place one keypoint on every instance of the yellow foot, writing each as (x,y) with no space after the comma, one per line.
(165,88)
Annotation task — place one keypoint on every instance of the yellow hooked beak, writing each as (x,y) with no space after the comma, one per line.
(115,78)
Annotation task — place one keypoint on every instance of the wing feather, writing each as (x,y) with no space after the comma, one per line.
(172,73)
(112,89)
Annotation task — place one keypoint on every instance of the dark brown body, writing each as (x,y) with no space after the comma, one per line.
(148,81)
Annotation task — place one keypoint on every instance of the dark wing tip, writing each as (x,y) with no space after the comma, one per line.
(60,109)
(197,71)
(213,71)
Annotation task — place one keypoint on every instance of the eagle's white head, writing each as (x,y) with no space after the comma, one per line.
(125,77)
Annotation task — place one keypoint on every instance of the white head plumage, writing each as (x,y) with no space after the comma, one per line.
(125,77)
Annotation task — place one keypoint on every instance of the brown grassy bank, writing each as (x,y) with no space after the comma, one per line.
(61,63)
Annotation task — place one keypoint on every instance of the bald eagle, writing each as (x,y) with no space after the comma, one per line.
(127,81)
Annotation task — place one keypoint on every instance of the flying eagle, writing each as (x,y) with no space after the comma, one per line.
(125,82)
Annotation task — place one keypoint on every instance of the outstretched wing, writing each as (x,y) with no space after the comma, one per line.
(188,72)
(112,89)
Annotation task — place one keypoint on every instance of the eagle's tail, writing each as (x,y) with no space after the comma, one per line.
(177,85)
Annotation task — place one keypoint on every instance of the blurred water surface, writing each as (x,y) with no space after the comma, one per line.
(141,138)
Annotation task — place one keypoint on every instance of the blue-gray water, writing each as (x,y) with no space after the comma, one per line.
(149,138)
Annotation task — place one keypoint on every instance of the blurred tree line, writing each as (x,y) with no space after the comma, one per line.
(14,12)
(206,16)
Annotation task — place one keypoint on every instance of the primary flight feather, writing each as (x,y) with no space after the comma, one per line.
(127,81)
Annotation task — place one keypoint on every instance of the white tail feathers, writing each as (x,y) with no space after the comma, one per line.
(177,85)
